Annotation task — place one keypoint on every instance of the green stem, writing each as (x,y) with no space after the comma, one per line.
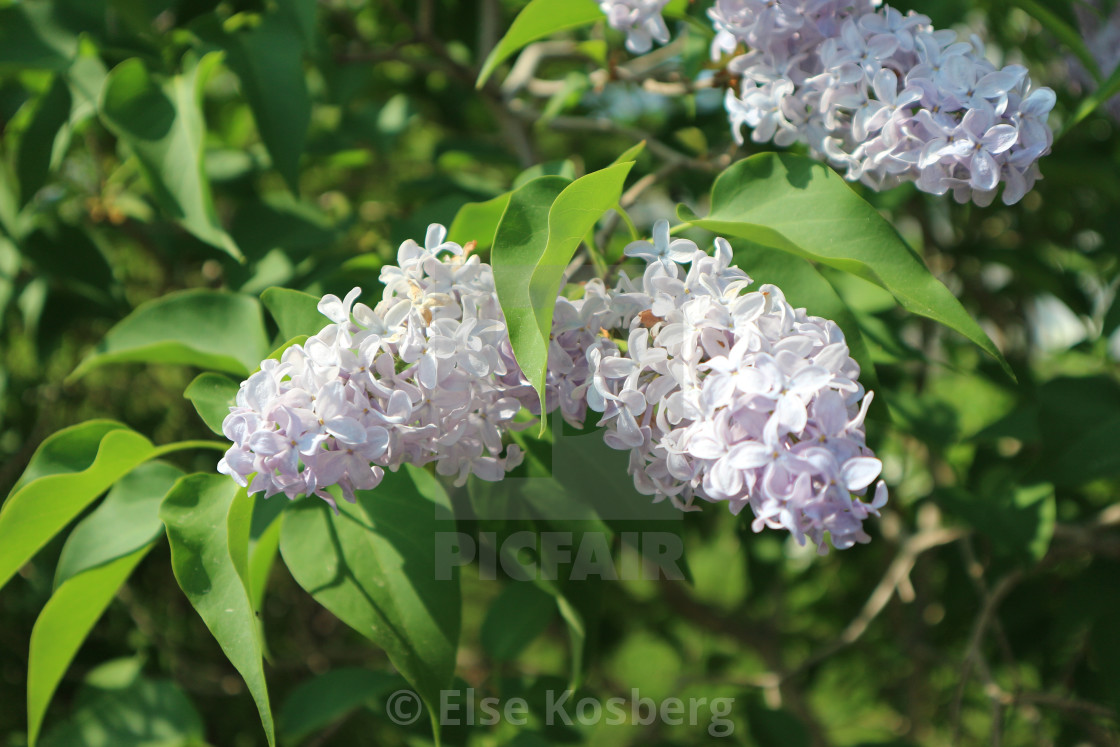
(634,235)
(183,445)
(679,228)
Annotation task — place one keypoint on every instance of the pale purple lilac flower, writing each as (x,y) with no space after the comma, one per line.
(427,375)
(724,395)
(640,20)
(883,95)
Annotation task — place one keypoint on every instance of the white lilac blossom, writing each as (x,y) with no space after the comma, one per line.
(883,95)
(640,20)
(427,375)
(725,395)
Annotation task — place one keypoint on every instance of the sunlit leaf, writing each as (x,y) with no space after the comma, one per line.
(373,565)
(162,123)
(125,521)
(212,394)
(540,231)
(63,626)
(40,508)
(269,61)
(204,328)
(801,206)
(208,522)
(295,312)
(539,19)
(478,221)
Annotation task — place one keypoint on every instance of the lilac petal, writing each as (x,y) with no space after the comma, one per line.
(985,172)
(859,472)
(1000,138)
(346,430)
(750,455)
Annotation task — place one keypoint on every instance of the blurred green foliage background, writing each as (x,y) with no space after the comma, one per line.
(150,146)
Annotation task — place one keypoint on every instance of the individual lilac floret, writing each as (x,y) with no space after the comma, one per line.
(428,375)
(728,395)
(883,95)
(640,20)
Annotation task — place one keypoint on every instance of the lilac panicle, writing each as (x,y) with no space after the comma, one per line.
(427,375)
(723,394)
(882,95)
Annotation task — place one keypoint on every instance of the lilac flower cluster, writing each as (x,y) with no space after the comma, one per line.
(727,395)
(724,394)
(640,20)
(427,375)
(883,95)
(718,394)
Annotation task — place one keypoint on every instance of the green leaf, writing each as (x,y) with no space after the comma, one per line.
(529,259)
(539,19)
(63,625)
(126,520)
(518,615)
(118,708)
(328,698)
(296,313)
(204,328)
(802,207)
(302,14)
(373,565)
(519,245)
(263,548)
(478,221)
(212,394)
(31,39)
(804,287)
(37,144)
(68,450)
(208,519)
(40,508)
(162,123)
(269,61)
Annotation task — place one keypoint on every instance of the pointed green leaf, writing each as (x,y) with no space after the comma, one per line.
(162,123)
(205,328)
(373,565)
(519,244)
(68,450)
(125,521)
(478,221)
(208,520)
(63,626)
(30,38)
(803,207)
(42,507)
(269,61)
(529,259)
(538,19)
(212,394)
(295,312)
